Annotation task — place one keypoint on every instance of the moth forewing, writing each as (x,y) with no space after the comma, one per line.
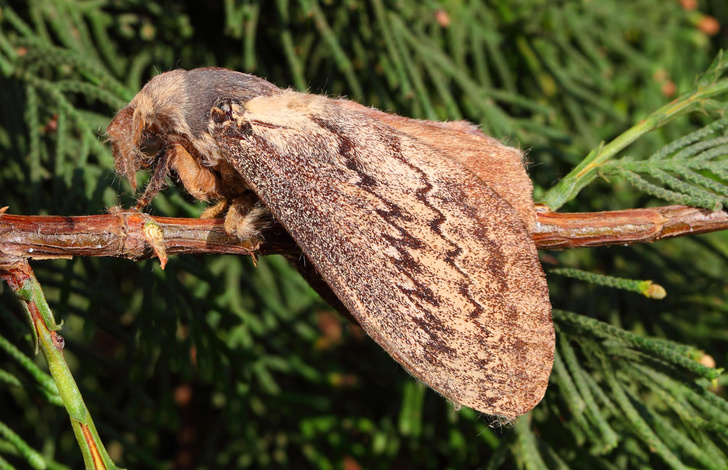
(433,262)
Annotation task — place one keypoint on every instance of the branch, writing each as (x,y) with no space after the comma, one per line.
(123,234)
(559,231)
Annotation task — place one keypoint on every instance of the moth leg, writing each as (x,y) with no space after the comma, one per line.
(247,217)
(156,182)
(216,211)
(201,182)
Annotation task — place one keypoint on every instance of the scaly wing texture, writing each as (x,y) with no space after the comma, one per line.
(497,165)
(432,262)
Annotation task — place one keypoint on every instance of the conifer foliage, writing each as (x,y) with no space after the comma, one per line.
(217,363)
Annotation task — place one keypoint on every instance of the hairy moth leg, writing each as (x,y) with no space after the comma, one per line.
(247,217)
(201,182)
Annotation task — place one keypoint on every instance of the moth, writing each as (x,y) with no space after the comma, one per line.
(417,229)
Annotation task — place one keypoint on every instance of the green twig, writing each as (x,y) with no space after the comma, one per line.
(646,288)
(585,172)
(668,352)
(27,290)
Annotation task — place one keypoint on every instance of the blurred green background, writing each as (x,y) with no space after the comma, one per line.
(215,363)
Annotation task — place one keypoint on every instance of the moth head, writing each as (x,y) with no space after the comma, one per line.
(173,109)
(140,132)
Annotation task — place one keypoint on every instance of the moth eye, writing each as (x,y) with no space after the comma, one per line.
(151,145)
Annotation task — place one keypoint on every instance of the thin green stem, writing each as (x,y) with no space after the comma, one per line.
(30,294)
(585,172)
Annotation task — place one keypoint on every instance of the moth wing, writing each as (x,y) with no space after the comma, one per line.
(433,263)
(499,166)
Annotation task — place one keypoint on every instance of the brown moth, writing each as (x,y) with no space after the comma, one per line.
(434,262)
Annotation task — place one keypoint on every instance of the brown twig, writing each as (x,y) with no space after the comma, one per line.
(558,231)
(123,234)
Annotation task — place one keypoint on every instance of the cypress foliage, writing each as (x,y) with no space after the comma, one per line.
(215,363)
